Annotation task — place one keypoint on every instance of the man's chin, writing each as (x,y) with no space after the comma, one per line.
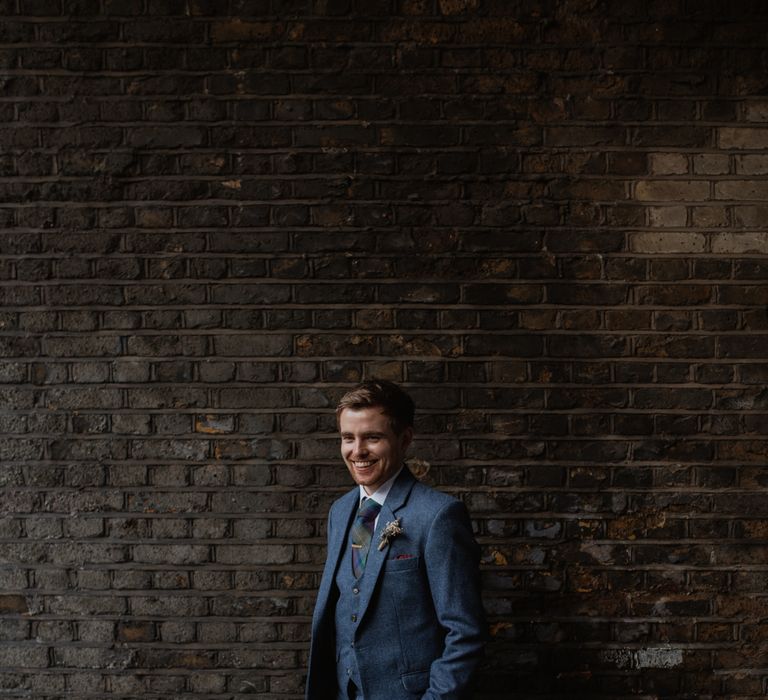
(363,478)
(363,474)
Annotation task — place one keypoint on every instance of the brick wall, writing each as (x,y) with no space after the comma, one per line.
(546,218)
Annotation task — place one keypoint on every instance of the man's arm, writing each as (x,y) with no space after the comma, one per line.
(452,560)
(321,678)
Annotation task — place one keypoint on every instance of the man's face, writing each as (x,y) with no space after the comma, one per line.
(372,451)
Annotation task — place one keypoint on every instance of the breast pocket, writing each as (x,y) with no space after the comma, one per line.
(399,565)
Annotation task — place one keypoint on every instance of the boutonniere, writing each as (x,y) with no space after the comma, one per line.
(390,531)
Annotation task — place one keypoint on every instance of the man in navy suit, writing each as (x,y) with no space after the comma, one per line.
(398,614)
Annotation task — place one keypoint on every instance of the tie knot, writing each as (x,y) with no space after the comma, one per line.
(369,509)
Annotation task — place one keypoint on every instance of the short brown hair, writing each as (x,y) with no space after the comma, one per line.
(393,401)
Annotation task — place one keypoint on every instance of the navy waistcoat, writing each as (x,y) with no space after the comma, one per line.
(347,619)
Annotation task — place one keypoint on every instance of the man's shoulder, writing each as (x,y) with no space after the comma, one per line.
(424,495)
(427,508)
(348,498)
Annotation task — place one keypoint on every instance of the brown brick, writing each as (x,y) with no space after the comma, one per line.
(672,190)
(736,243)
(741,189)
(664,217)
(668,242)
(669,163)
(712,164)
(742,137)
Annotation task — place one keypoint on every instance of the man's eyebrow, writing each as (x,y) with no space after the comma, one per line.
(372,433)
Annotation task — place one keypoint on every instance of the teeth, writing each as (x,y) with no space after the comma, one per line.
(362,464)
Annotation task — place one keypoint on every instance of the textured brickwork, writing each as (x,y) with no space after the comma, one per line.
(547,218)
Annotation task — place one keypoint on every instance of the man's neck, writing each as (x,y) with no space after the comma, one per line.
(383,490)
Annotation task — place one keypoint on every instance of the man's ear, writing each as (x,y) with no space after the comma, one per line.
(406,438)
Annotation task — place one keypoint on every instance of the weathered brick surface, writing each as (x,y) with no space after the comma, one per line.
(546,218)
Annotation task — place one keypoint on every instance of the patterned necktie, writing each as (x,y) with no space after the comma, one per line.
(362,530)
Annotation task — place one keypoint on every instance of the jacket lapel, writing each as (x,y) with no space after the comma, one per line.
(396,498)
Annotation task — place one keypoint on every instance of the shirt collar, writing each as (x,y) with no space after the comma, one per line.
(380,495)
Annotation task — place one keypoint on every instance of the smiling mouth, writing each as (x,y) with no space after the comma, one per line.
(363,465)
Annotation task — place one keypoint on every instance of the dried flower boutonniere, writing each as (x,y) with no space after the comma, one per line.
(390,531)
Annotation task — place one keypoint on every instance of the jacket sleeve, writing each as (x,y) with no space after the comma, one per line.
(452,560)
(321,677)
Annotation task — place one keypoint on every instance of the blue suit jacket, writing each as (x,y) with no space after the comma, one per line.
(422,629)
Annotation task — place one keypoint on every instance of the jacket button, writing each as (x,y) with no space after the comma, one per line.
(354,618)
(355,591)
